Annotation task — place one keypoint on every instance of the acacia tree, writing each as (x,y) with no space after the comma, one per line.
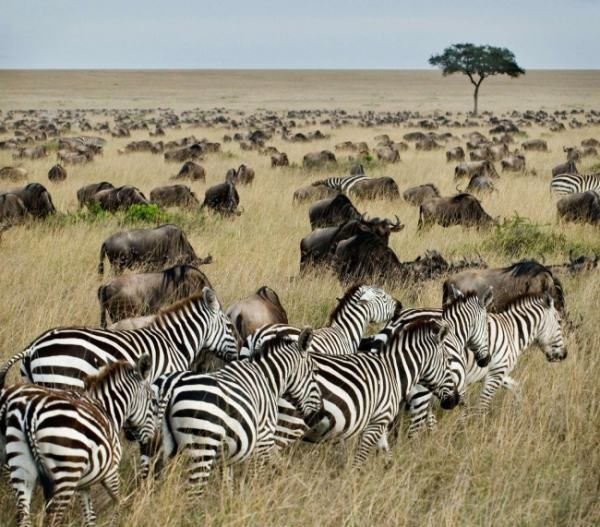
(478,63)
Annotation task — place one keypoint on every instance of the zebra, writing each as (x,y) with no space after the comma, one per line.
(574,183)
(342,183)
(63,357)
(529,319)
(362,392)
(233,411)
(69,440)
(360,305)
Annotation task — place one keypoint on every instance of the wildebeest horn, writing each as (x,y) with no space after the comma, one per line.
(458,190)
(397,224)
(571,259)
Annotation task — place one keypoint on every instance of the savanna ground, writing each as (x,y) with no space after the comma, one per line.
(530,462)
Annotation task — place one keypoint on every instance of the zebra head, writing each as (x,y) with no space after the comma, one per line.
(467,315)
(379,306)
(221,336)
(550,335)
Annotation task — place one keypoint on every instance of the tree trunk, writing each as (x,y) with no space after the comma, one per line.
(475,99)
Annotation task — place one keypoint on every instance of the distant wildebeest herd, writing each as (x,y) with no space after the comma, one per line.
(177,373)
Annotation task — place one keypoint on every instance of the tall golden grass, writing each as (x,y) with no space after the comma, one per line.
(530,462)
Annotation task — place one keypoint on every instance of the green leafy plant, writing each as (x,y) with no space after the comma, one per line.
(142,213)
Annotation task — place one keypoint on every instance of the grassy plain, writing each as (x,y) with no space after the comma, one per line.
(533,462)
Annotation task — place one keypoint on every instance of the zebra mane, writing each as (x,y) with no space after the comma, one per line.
(110,370)
(177,306)
(343,301)
(462,298)
(418,323)
(267,346)
(523,298)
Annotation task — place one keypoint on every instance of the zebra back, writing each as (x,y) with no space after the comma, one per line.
(342,183)
(574,183)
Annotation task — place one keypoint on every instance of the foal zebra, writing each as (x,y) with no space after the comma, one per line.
(574,183)
(70,440)
(342,183)
(361,305)
(233,411)
(63,357)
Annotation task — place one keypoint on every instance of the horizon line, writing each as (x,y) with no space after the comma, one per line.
(265,69)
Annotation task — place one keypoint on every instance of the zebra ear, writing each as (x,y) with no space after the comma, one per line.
(548,301)
(488,297)
(144,366)
(442,330)
(455,293)
(210,298)
(305,339)
(367,296)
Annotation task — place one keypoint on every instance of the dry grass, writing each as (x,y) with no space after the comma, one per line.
(530,463)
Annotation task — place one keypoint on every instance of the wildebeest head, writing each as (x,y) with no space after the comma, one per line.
(381,227)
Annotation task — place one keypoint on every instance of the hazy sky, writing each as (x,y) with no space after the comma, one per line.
(394,34)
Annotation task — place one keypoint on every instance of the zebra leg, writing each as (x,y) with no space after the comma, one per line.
(23,483)
(57,505)
(87,508)
(419,408)
(510,384)
(111,484)
(491,383)
(371,436)
(202,457)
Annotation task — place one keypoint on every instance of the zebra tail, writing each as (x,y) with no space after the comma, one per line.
(102,255)
(560,295)
(420,224)
(8,365)
(102,300)
(44,474)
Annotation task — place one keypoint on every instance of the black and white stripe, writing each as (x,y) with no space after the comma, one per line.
(63,357)
(69,440)
(575,183)
(233,412)
(343,183)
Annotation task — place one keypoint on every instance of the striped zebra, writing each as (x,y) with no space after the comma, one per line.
(341,183)
(362,393)
(575,183)
(361,305)
(233,411)
(63,357)
(70,440)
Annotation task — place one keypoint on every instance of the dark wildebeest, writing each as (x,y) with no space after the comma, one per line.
(185,153)
(470,168)
(13,174)
(280,159)
(57,173)
(373,188)
(331,212)
(142,294)
(417,195)
(153,249)
(255,311)
(317,248)
(514,163)
(36,198)
(120,198)
(565,168)
(387,154)
(462,209)
(191,170)
(480,183)
(12,210)
(174,196)
(538,145)
(582,207)
(320,159)
(313,192)
(357,170)
(222,198)
(244,175)
(455,154)
(508,283)
(85,195)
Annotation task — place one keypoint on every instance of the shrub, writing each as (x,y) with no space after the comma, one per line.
(142,213)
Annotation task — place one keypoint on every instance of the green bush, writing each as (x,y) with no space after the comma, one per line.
(142,213)
(517,237)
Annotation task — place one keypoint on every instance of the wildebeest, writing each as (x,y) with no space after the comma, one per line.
(57,173)
(417,195)
(153,249)
(36,198)
(120,198)
(279,159)
(222,198)
(143,294)
(455,154)
(33,152)
(244,175)
(565,168)
(387,154)
(185,153)
(479,184)
(12,210)
(191,170)
(317,248)
(508,283)
(320,159)
(373,188)
(85,195)
(538,145)
(174,196)
(582,207)
(13,174)
(469,169)
(313,192)
(514,163)
(332,211)
(257,310)
(461,209)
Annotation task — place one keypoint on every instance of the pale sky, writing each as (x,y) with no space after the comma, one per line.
(336,34)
